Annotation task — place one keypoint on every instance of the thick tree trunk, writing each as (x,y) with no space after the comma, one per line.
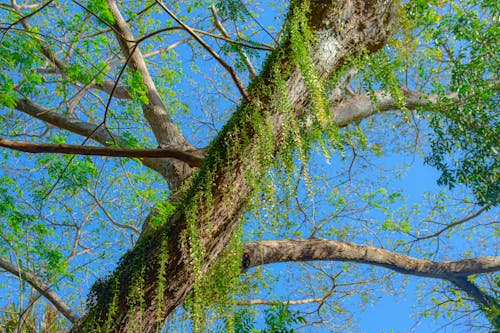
(342,28)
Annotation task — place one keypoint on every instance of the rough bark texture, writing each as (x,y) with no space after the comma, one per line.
(342,28)
(299,250)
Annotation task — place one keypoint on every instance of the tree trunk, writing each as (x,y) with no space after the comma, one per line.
(342,29)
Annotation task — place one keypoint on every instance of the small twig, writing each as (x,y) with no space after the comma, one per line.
(110,218)
(454,224)
(258,23)
(24,17)
(270,302)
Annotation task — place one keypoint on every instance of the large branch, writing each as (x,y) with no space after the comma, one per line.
(368,104)
(365,105)
(485,301)
(42,288)
(192,158)
(83,128)
(220,190)
(165,131)
(299,250)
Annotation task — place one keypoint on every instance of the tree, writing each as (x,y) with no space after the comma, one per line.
(107,72)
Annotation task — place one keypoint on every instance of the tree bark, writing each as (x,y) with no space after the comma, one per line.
(342,29)
(300,250)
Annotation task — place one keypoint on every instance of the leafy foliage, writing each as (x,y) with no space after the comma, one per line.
(137,88)
(465,143)
(277,319)
(101,9)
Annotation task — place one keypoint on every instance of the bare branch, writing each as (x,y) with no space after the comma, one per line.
(223,31)
(74,125)
(120,92)
(212,52)
(42,288)
(155,111)
(454,224)
(190,157)
(110,218)
(23,17)
(295,250)
(167,48)
(300,250)
(363,106)
(166,132)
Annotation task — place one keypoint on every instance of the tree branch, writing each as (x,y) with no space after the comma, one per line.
(165,131)
(120,92)
(42,288)
(272,302)
(295,250)
(221,191)
(481,298)
(223,31)
(108,215)
(454,224)
(190,157)
(300,250)
(456,272)
(365,105)
(86,129)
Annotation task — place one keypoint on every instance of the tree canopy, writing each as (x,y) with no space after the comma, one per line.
(237,166)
